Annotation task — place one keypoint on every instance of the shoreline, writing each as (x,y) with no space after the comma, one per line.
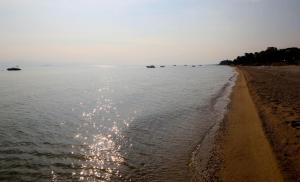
(242,151)
(202,163)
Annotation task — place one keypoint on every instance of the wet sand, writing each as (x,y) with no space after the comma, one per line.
(276,93)
(242,145)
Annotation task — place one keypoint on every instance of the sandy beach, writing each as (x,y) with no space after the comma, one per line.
(259,138)
(244,147)
(276,93)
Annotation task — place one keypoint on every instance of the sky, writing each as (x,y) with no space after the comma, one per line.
(143,31)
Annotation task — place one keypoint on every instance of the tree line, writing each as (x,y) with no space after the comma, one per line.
(270,56)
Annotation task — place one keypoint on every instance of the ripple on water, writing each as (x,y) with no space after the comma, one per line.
(104,124)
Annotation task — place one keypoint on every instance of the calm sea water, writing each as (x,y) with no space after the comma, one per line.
(104,123)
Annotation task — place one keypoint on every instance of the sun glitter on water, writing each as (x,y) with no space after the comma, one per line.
(102,139)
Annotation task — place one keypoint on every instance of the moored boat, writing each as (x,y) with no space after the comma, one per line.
(16,68)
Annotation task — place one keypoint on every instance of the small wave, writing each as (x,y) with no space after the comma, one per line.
(201,155)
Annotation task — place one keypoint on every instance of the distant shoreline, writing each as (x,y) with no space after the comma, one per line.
(270,56)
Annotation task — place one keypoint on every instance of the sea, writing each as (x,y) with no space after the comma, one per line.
(110,123)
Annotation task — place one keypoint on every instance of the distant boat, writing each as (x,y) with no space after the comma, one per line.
(193,66)
(16,68)
(174,65)
(162,66)
(185,65)
(151,66)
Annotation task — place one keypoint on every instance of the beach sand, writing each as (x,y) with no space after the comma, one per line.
(244,149)
(276,93)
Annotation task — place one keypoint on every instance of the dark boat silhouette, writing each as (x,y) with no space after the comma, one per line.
(16,68)
(193,66)
(162,66)
(151,66)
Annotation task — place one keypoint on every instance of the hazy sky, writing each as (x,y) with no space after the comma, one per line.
(143,31)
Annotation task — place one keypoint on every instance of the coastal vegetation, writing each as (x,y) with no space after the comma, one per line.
(270,56)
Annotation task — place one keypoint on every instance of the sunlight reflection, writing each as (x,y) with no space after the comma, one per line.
(102,139)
